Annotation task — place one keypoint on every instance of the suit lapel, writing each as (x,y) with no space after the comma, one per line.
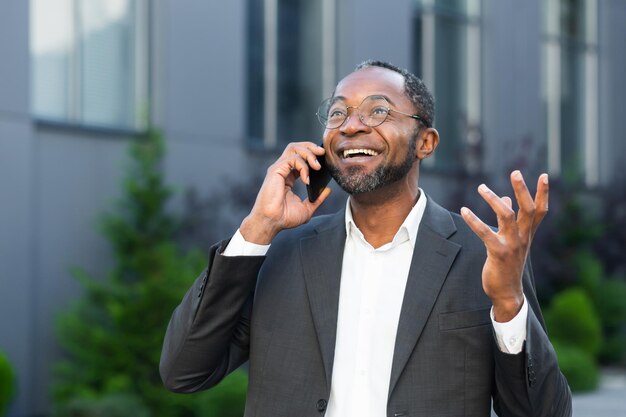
(432,258)
(322,256)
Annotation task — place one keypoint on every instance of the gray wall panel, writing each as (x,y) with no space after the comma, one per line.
(363,34)
(78,178)
(18,257)
(612,72)
(14,57)
(17,252)
(205,81)
(512,108)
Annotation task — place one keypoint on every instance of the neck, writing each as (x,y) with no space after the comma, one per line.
(380,213)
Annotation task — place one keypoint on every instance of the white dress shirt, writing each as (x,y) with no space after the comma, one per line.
(370,298)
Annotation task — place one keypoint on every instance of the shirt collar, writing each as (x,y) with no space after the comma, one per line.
(408,228)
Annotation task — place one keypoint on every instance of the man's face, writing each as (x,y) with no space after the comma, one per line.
(390,147)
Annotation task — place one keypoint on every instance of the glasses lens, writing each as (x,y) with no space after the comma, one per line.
(373,111)
(332,113)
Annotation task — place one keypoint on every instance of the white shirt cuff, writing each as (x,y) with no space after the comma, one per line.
(511,335)
(239,247)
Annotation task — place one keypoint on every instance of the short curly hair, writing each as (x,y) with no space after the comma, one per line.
(414,88)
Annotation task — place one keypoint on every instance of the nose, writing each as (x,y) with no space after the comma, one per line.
(353,124)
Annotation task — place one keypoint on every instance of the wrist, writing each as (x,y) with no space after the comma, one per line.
(504,310)
(258,230)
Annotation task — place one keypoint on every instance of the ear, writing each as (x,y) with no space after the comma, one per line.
(426,143)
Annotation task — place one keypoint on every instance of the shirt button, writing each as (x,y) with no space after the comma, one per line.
(512,340)
(321,405)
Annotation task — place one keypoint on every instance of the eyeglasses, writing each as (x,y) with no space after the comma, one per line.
(372,112)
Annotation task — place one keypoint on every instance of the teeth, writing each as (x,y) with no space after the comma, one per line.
(349,152)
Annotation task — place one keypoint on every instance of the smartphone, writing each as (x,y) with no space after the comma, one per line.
(318,180)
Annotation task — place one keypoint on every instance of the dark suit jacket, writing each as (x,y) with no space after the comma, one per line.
(280,312)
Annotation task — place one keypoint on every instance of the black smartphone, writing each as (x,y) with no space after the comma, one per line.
(318,180)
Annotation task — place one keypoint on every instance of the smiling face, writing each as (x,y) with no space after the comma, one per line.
(361,158)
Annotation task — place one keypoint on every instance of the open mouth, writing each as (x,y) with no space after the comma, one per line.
(352,153)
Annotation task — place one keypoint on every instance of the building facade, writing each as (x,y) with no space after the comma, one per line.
(534,85)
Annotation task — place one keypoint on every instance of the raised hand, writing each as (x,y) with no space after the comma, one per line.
(508,247)
(277,207)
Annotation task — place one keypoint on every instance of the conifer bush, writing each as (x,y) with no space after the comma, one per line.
(112,336)
(7,384)
(572,319)
(576,332)
(578,366)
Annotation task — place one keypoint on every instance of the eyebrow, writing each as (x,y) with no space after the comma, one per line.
(342,98)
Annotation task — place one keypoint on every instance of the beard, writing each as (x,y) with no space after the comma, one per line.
(356,181)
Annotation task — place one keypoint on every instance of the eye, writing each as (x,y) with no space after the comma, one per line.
(336,112)
(379,110)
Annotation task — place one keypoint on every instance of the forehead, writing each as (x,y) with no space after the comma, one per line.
(372,81)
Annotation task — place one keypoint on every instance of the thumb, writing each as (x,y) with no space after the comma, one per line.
(313,206)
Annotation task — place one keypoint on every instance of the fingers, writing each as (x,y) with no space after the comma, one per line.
(526,204)
(298,158)
(531,211)
(484,232)
(313,206)
(500,206)
(541,201)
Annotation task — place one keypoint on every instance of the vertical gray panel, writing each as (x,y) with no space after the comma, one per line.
(513,118)
(14,56)
(79,178)
(612,63)
(372,29)
(18,257)
(205,82)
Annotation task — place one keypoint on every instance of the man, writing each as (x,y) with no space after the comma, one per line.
(378,310)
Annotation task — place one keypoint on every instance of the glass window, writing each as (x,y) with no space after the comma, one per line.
(446,55)
(89,62)
(570,88)
(286,57)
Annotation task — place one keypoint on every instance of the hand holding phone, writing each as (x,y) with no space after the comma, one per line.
(277,207)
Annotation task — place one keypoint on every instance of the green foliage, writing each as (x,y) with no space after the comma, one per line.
(572,320)
(578,367)
(7,384)
(112,336)
(226,401)
(613,349)
(113,405)
(610,300)
(583,247)
(589,269)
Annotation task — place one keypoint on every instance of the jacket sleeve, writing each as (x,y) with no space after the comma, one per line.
(530,383)
(208,335)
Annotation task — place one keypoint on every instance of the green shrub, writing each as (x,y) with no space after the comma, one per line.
(589,269)
(610,300)
(7,384)
(613,350)
(226,399)
(572,320)
(111,405)
(578,367)
(112,336)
